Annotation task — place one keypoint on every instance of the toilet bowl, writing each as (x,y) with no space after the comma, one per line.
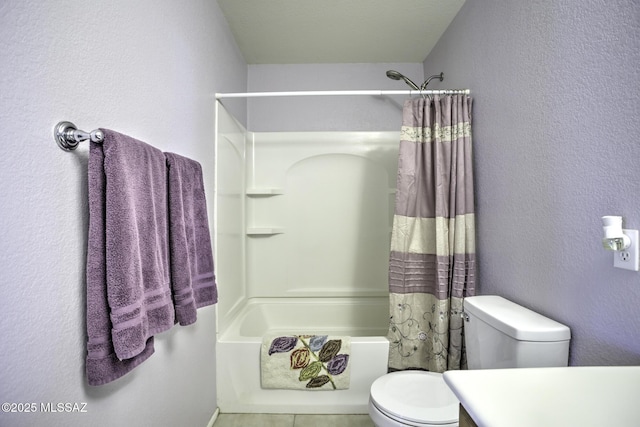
(412,398)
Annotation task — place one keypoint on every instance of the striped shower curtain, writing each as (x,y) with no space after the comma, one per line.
(432,261)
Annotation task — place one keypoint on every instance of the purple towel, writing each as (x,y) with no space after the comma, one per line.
(128,293)
(192,277)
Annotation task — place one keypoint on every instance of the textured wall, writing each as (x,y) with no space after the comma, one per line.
(327,113)
(557,99)
(148,68)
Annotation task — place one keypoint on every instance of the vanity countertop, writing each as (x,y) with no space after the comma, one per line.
(607,396)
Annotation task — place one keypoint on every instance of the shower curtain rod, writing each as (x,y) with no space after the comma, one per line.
(343,92)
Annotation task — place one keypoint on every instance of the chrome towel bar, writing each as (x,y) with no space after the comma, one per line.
(68,136)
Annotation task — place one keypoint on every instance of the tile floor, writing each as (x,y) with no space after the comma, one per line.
(287,420)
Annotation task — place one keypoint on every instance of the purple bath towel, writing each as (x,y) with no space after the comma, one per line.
(192,276)
(128,292)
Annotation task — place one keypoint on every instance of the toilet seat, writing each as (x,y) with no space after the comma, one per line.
(415,398)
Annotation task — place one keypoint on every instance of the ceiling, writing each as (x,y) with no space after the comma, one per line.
(337,31)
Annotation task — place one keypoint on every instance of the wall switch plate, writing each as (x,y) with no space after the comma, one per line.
(628,258)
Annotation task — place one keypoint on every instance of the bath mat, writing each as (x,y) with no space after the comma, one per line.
(305,362)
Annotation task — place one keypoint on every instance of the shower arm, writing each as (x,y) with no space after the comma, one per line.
(426,82)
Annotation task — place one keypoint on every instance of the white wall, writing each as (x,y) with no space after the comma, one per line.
(322,113)
(147,68)
(556,89)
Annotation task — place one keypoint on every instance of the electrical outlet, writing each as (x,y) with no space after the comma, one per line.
(628,258)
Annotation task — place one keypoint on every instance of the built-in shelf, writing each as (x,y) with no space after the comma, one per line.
(264,231)
(263,191)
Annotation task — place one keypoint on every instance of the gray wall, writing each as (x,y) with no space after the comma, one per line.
(556,89)
(332,113)
(147,68)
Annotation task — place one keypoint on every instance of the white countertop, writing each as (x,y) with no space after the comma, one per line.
(550,397)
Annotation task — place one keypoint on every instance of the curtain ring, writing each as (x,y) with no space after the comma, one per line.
(425,96)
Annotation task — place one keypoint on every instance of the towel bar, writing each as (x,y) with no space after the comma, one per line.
(68,136)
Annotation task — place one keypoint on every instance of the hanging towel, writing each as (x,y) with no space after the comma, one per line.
(128,293)
(192,276)
(305,362)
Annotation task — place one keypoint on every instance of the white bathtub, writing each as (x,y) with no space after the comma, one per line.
(365,319)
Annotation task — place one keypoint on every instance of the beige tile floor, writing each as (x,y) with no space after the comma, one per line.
(287,420)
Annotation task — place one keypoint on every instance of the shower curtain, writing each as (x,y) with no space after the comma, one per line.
(432,260)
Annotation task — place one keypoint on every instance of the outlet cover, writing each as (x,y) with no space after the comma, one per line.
(629,258)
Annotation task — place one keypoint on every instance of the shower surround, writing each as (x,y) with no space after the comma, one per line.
(302,224)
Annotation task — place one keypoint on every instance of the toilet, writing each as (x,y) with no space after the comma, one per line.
(498,334)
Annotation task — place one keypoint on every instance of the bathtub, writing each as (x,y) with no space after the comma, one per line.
(365,319)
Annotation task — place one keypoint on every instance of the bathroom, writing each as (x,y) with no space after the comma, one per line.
(553,151)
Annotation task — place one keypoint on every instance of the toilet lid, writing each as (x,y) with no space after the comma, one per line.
(415,396)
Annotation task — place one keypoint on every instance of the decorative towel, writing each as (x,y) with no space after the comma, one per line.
(306,362)
(192,278)
(128,294)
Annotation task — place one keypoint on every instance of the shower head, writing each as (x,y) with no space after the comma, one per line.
(392,74)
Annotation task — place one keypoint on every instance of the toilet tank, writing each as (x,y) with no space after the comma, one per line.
(502,334)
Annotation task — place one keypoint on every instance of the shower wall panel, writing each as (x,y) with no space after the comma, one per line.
(229,214)
(319,207)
